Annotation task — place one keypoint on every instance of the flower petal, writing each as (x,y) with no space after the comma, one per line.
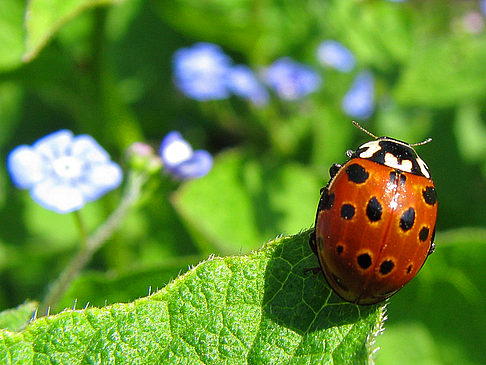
(198,165)
(334,54)
(200,71)
(359,101)
(63,172)
(87,149)
(101,179)
(291,80)
(243,82)
(57,196)
(25,166)
(174,149)
(54,145)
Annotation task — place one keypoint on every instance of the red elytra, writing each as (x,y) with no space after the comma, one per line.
(375,223)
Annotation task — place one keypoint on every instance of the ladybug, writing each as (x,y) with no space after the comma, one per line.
(375,223)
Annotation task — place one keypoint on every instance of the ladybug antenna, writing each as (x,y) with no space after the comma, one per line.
(356,124)
(422,143)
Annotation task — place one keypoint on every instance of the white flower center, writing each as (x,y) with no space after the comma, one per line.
(68,167)
(177,152)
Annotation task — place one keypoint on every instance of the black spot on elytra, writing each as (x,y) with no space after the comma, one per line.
(357,173)
(364,261)
(339,282)
(429,195)
(409,268)
(407,219)
(393,177)
(424,234)
(339,249)
(403,178)
(386,267)
(327,200)
(347,211)
(374,209)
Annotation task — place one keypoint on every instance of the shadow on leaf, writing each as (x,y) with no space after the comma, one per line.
(299,299)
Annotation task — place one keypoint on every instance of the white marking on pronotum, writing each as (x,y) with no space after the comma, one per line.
(423,167)
(373,147)
(392,161)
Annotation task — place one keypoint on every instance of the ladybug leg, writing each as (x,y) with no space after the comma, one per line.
(334,169)
(432,244)
(313,270)
(312,242)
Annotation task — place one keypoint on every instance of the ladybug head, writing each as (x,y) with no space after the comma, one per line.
(393,153)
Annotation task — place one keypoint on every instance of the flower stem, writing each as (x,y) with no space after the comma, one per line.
(83,233)
(94,242)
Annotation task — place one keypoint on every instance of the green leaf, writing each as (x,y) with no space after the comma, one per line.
(256,200)
(444,72)
(46,17)
(470,132)
(260,308)
(381,33)
(17,318)
(262,31)
(441,312)
(11,34)
(100,289)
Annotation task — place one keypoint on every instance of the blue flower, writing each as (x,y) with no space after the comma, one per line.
(334,54)
(180,160)
(63,172)
(482,6)
(291,80)
(200,71)
(243,83)
(359,101)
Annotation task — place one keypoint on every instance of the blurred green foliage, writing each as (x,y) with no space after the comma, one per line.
(104,68)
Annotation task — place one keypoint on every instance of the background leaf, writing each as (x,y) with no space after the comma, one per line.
(256,200)
(449,330)
(12,34)
(16,319)
(46,17)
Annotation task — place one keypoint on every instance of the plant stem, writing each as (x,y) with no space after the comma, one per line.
(94,242)
(83,232)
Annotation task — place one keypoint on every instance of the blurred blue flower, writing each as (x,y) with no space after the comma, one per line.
(359,101)
(200,71)
(482,6)
(243,82)
(63,172)
(291,80)
(334,54)
(180,160)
